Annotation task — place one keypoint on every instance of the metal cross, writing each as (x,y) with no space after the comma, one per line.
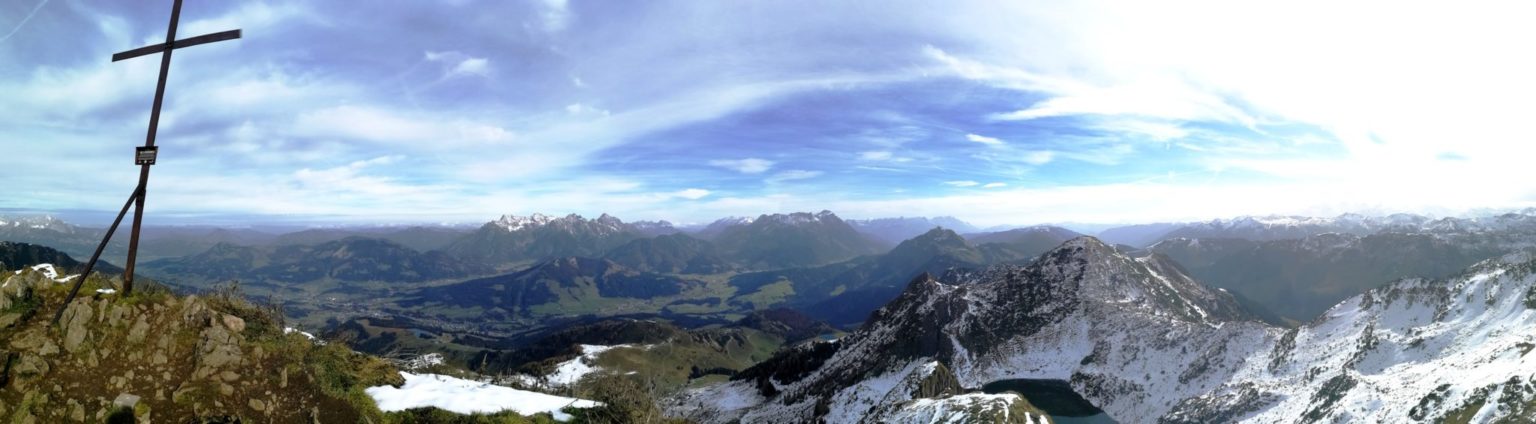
(144,156)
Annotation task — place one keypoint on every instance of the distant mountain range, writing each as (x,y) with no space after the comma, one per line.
(1277,227)
(793,240)
(892,231)
(512,239)
(1300,278)
(354,259)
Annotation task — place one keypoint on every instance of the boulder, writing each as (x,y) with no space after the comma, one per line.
(77,319)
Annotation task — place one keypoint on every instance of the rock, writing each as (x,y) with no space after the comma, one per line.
(158,358)
(119,313)
(28,340)
(226,390)
(217,349)
(139,331)
(126,401)
(180,396)
(229,376)
(77,319)
(30,366)
(234,323)
(258,405)
(7,320)
(76,411)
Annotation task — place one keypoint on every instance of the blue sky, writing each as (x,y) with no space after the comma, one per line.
(994,112)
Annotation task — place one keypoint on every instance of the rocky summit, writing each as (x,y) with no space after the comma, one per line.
(164,358)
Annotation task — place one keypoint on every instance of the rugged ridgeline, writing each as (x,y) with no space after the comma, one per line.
(514,239)
(165,358)
(1142,341)
(353,259)
(792,240)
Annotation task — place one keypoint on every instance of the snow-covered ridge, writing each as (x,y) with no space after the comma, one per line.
(605,224)
(797,218)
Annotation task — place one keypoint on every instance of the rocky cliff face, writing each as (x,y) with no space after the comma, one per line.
(170,359)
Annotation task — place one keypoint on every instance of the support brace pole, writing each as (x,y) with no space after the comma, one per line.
(96,256)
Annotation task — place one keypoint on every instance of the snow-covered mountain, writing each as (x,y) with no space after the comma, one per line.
(1277,227)
(1144,342)
(513,238)
(793,240)
(43,222)
(713,229)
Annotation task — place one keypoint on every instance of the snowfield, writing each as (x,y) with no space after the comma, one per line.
(468,397)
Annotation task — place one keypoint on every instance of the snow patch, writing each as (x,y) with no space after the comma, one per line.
(468,397)
(424,361)
(570,372)
(311,337)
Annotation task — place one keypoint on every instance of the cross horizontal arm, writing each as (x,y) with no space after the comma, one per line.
(185,42)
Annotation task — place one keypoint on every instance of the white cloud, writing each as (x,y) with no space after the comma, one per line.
(557,15)
(692,193)
(963,183)
(460,64)
(472,66)
(995,185)
(1039,157)
(745,166)
(793,174)
(875,155)
(990,141)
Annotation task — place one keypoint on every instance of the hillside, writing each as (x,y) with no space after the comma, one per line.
(20,255)
(353,259)
(564,286)
(1301,278)
(675,253)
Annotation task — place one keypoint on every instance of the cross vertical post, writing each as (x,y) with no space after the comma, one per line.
(145,156)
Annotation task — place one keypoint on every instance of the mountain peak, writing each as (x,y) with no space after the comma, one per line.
(798,218)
